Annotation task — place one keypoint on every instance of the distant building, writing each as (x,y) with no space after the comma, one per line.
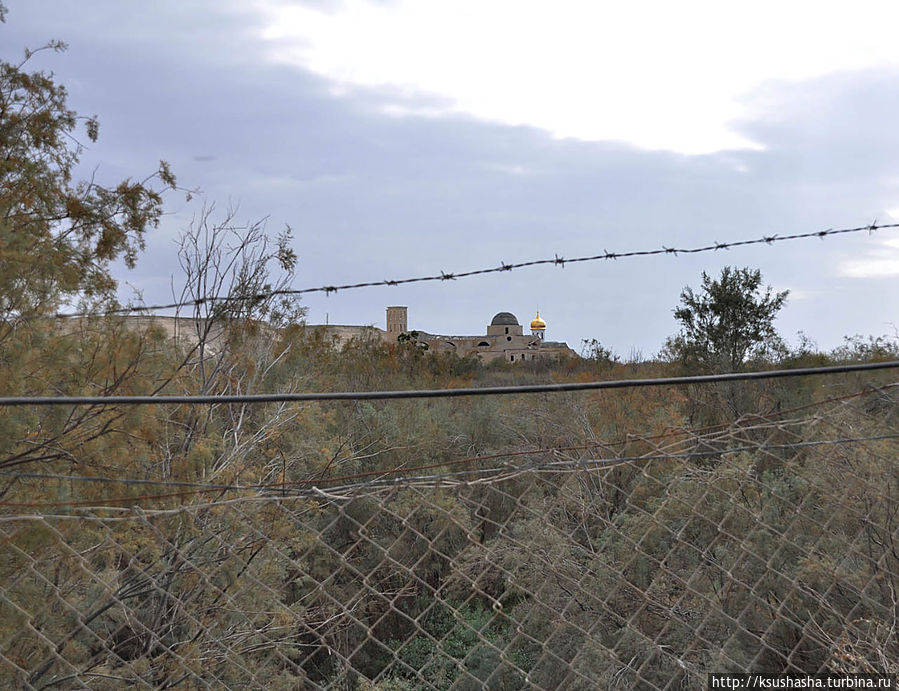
(397,321)
(505,338)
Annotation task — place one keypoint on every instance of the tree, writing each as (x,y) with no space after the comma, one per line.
(58,236)
(729,322)
(236,286)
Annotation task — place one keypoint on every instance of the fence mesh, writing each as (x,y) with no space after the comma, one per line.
(768,544)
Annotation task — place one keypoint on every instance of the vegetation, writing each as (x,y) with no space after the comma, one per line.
(606,539)
(59,236)
(729,323)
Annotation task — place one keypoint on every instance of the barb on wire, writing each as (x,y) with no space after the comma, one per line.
(444,276)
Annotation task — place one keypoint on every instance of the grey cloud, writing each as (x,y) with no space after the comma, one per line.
(372,196)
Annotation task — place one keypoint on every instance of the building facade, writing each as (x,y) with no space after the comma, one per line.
(505,338)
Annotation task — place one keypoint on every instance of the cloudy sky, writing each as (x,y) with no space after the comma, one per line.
(402,138)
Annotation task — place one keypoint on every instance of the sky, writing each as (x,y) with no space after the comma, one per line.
(402,138)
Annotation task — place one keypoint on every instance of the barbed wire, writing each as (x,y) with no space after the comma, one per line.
(556,260)
(13,401)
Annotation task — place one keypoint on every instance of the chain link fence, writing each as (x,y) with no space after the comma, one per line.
(770,544)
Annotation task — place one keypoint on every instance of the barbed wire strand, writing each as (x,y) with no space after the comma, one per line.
(453,275)
(11,401)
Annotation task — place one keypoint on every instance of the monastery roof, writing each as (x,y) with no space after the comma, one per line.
(344,326)
(504,319)
(445,337)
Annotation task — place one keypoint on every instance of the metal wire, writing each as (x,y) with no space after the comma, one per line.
(295,488)
(450,276)
(12,401)
(761,545)
(467,460)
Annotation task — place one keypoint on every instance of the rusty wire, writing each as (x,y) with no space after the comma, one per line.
(761,545)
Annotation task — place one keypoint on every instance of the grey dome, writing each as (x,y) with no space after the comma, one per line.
(504,319)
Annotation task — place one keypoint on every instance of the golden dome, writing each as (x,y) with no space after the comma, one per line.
(538,324)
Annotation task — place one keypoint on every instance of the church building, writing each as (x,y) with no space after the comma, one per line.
(505,338)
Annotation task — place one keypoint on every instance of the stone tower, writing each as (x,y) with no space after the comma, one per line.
(396,321)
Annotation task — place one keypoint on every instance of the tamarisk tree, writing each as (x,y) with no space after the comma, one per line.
(58,235)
